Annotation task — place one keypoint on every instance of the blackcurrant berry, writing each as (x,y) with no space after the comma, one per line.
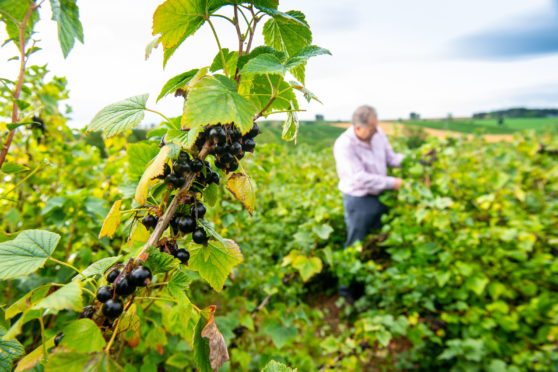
(112,275)
(233,165)
(213,177)
(149,221)
(140,276)
(236,148)
(104,293)
(220,149)
(196,165)
(166,171)
(199,236)
(174,223)
(58,338)
(227,158)
(207,165)
(123,286)
(219,164)
(171,179)
(179,167)
(183,255)
(186,224)
(87,312)
(249,145)
(235,134)
(218,134)
(179,181)
(112,308)
(253,132)
(172,247)
(183,156)
(197,210)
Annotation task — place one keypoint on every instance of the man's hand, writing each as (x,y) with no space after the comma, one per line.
(398,183)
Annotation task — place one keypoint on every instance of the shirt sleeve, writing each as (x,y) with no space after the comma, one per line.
(393,158)
(353,176)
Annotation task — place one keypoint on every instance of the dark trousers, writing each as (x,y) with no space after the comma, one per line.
(362,215)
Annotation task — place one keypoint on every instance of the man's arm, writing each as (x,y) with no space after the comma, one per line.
(393,158)
(353,176)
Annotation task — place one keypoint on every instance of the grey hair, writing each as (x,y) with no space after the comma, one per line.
(363,114)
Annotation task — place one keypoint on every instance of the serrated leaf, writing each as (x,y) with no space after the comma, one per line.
(16,10)
(27,301)
(34,357)
(154,169)
(99,267)
(261,93)
(66,15)
(218,353)
(215,261)
(111,222)
(208,227)
(68,297)
(215,100)
(74,361)
(139,155)
(159,262)
(26,253)
(323,231)
(244,189)
(178,282)
(307,267)
(290,127)
(274,366)
(307,94)
(9,351)
(74,336)
(262,49)
(211,194)
(130,324)
(177,82)
(304,54)
(231,60)
(139,234)
(12,168)
(279,333)
(183,138)
(119,116)
(287,32)
(264,64)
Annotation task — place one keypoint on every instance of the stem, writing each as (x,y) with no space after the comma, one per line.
(67,265)
(222,16)
(158,113)
(45,354)
(22,181)
(157,298)
(252,30)
(238,33)
(219,45)
(281,112)
(19,85)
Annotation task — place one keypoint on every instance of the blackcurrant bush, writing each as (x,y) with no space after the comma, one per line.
(236,148)
(227,158)
(112,275)
(183,255)
(186,224)
(112,308)
(149,221)
(249,145)
(197,210)
(58,338)
(233,165)
(87,312)
(124,286)
(199,236)
(140,276)
(104,293)
(196,165)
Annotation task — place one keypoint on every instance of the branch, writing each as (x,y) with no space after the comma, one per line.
(219,45)
(252,30)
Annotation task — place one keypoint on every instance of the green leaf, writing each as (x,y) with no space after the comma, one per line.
(477,284)
(27,301)
(287,32)
(99,267)
(274,366)
(279,333)
(183,138)
(262,49)
(119,116)
(215,100)
(208,227)
(159,262)
(11,168)
(307,94)
(231,60)
(84,336)
(178,282)
(26,253)
(307,267)
(264,64)
(153,44)
(16,10)
(290,127)
(261,93)
(10,350)
(139,155)
(243,188)
(201,348)
(211,194)
(67,297)
(215,261)
(34,357)
(66,14)
(74,361)
(323,231)
(177,82)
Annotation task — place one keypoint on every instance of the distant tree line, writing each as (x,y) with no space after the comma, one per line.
(518,112)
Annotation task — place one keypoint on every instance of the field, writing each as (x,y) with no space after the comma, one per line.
(489,126)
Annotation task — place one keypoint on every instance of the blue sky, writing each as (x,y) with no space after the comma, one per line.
(431,56)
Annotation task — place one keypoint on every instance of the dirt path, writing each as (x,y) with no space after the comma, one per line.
(391,128)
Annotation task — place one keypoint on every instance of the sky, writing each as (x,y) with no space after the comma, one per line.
(433,57)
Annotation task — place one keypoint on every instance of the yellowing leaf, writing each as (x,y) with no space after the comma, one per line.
(112,220)
(244,189)
(153,170)
(307,267)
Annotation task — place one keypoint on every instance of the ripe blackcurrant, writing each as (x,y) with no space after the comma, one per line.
(183,255)
(220,149)
(235,134)
(172,247)
(149,221)
(174,223)
(179,167)
(213,177)
(186,224)
(171,179)
(199,236)
(179,181)
(249,145)
(197,210)
(87,312)
(112,308)
(58,338)
(183,156)
(227,158)
(104,293)
(140,276)
(218,134)
(123,286)
(112,275)
(236,148)
(233,165)
(166,171)
(219,164)
(196,165)
(253,132)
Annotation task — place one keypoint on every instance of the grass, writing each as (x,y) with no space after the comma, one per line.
(489,126)
(314,134)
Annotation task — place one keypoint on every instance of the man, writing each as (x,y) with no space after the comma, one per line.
(362,155)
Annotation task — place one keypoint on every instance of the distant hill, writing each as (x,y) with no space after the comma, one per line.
(518,112)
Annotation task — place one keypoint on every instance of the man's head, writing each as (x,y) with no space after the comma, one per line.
(365,122)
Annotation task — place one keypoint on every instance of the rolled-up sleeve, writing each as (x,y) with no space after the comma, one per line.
(353,178)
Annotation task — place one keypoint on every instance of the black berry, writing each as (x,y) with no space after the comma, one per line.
(172,247)
(186,224)
(253,132)
(183,255)
(227,158)
(112,275)
(87,312)
(219,164)
(149,221)
(104,293)
(174,223)
(213,177)
(199,236)
(112,308)
(58,338)
(235,134)
(183,156)
(236,148)
(123,286)
(233,165)
(197,210)
(140,276)
(218,134)
(196,165)
(249,145)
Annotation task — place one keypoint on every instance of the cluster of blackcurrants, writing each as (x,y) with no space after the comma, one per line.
(184,164)
(122,285)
